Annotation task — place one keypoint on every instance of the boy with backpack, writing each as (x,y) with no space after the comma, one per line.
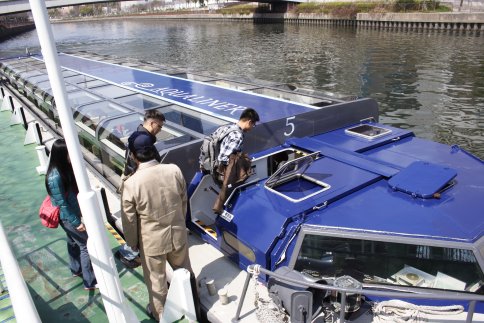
(220,154)
(226,140)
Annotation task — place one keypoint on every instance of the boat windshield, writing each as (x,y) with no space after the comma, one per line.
(382,262)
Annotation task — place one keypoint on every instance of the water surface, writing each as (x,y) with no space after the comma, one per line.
(431,82)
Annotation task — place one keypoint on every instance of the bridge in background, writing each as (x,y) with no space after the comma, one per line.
(16,6)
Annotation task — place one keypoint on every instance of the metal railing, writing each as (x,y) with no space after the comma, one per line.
(21,299)
(375,290)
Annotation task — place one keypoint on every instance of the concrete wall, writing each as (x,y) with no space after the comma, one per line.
(7,32)
(423,17)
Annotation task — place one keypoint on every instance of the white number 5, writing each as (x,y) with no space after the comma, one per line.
(290,124)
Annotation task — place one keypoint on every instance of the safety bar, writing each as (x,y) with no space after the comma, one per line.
(22,302)
(403,292)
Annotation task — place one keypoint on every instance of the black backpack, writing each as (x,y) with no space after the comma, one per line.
(210,148)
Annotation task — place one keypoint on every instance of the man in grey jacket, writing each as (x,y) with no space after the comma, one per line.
(154,204)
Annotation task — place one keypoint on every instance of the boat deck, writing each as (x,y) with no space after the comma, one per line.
(42,255)
(41,252)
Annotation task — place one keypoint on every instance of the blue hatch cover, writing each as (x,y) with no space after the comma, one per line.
(422,179)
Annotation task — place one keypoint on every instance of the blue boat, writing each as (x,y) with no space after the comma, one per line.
(333,193)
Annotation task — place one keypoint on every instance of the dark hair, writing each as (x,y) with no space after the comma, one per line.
(146,154)
(249,114)
(59,160)
(154,114)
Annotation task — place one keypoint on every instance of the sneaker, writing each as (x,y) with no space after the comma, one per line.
(128,263)
(91,288)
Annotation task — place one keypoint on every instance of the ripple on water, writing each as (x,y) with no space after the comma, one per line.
(419,78)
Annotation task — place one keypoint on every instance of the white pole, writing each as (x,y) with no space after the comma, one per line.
(102,258)
(22,303)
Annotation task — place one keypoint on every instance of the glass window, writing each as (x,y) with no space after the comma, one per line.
(194,77)
(29,87)
(287,96)
(30,73)
(12,62)
(113,137)
(80,97)
(39,93)
(151,68)
(239,246)
(193,120)
(91,114)
(115,132)
(39,65)
(45,85)
(390,263)
(140,102)
(78,79)
(111,91)
(38,78)
(291,182)
(170,137)
(67,73)
(71,88)
(91,84)
(231,84)
(30,60)
(20,68)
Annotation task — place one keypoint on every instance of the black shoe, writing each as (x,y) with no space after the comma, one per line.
(128,263)
(149,312)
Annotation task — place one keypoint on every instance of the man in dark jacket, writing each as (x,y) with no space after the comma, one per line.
(152,123)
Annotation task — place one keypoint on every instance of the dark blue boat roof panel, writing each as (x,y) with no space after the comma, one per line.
(260,214)
(249,221)
(378,209)
(457,215)
(214,100)
(408,150)
(422,179)
(373,206)
(349,157)
(343,140)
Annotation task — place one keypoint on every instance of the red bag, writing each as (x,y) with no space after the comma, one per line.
(49,214)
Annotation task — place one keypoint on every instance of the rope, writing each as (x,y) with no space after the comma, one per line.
(266,311)
(396,311)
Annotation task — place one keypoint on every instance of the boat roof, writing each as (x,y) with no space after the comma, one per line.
(109,97)
(207,98)
(360,172)
(362,197)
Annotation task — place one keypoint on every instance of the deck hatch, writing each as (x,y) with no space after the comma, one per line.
(367,131)
(422,179)
(291,182)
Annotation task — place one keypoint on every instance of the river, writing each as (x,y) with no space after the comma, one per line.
(431,82)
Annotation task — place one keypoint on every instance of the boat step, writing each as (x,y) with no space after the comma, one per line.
(208,229)
(5,296)
(115,234)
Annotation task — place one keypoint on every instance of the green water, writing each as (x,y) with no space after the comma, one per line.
(41,252)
